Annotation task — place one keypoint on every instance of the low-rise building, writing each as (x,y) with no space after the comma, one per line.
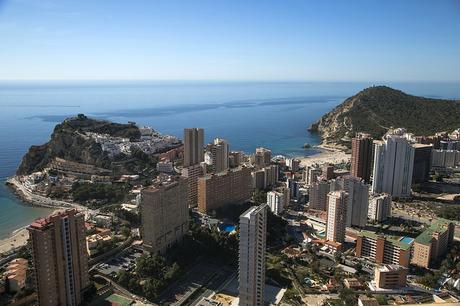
(367,301)
(383,249)
(16,274)
(433,243)
(390,276)
(353,283)
(165,166)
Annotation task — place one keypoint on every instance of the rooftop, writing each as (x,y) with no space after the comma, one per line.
(395,240)
(437,226)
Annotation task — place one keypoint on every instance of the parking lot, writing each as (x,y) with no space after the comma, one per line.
(126,261)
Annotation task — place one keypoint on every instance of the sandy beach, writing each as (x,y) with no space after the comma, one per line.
(328,155)
(17,239)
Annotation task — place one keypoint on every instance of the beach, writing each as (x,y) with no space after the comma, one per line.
(329,155)
(17,239)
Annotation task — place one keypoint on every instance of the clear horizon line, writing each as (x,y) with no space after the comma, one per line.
(228,80)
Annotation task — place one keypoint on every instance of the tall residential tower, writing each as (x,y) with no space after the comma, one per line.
(361,156)
(193,146)
(253,232)
(60,258)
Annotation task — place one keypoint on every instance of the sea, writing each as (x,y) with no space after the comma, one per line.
(248,114)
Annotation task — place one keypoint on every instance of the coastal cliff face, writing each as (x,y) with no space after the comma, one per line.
(69,142)
(376,109)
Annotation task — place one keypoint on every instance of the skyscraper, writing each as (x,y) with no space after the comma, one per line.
(60,258)
(422,162)
(336,216)
(276,201)
(193,146)
(262,157)
(358,198)
(393,166)
(253,232)
(164,212)
(361,156)
(318,195)
(379,207)
(219,155)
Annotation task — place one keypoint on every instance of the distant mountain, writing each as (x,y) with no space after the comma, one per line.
(376,109)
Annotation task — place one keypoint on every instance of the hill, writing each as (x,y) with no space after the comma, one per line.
(376,109)
(74,140)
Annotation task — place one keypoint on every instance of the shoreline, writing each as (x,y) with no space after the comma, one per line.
(18,237)
(328,154)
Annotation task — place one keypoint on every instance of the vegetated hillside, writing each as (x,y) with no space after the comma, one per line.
(376,109)
(69,142)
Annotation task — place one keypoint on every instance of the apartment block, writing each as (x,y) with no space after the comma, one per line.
(164,214)
(276,201)
(358,198)
(252,248)
(193,146)
(361,156)
(433,243)
(336,216)
(262,157)
(383,249)
(220,155)
(422,162)
(192,173)
(318,195)
(233,186)
(390,276)
(393,166)
(379,207)
(60,258)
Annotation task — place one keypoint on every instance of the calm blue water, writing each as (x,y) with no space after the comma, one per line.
(247,114)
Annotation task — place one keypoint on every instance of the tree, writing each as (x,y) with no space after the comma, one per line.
(348,297)
(124,277)
(125,231)
(338,257)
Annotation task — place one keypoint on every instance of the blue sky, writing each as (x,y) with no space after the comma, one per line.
(391,40)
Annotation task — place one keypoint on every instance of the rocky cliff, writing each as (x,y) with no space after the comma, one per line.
(68,141)
(376,109)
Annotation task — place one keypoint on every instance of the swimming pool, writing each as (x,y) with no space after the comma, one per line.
(228,228)
(407,240)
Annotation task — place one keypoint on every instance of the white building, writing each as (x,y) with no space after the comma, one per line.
(253,232)
(393,166)
(358,198)
(275,201)
(445,158)
(293,164)
(336,216)
(219,155)
(379,207)
(310,175)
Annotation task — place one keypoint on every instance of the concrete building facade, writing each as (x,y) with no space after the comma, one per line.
(379,207)
(336,216)
(276,201)
(361,156)
(358,198)
(318,195)
(164,214)
(383,249)
(393,167)
(220,155)
(252,247)
(390,276)
(233,186)
(60,258)
(193,146)
(192,173)
(433,243)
